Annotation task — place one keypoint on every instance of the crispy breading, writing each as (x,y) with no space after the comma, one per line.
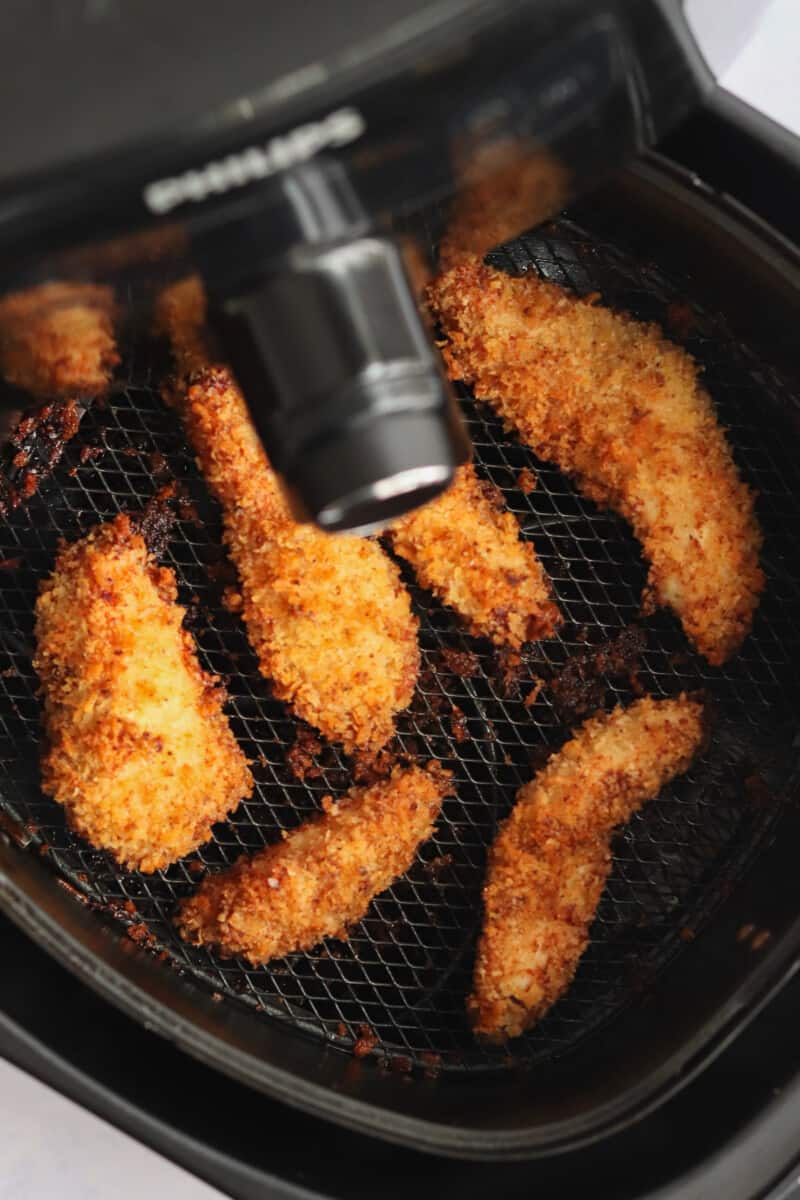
(57,339)
(550,860)
(466,548)
(139,751)
(319,879)
(619,408)
(502,191)
(327,614)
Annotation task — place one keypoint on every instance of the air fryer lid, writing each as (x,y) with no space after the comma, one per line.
(703,887)
(283,147)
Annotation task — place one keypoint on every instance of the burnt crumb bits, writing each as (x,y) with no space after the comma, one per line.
(439,865)
(431,1063)
(460,662)
(88,453)
(366,1041)
(510,669)
(372,768)
(38,443)
(157,520)
(579,689)
(141,935)
(302,757)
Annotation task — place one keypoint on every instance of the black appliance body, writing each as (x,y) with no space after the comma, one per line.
(660,1045)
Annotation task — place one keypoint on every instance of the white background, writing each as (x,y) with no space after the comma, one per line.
(51,1149)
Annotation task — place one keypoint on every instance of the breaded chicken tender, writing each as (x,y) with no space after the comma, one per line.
(57,340)
(619,408)
(319,879)
(327,614)
(550,860)
(465,547)
(503,190)
(139,751)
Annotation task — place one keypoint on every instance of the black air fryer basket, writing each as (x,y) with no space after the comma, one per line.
(698,925)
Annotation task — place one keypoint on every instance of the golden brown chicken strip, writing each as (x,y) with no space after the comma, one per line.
(618,407)
(465,547)
(504,190)
(550,860)
(57,340)
(139,750)
(327,614)
(320,879)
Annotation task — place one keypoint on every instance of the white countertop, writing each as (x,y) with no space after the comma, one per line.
(49,1147)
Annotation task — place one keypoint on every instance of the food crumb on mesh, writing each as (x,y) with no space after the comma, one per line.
(458,724)
(301,758)
(527,481)
(366,1041)
(533,694)
(460,662)
(438,865)
(580,688)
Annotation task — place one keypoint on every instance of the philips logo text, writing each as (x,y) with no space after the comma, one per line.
(256,162)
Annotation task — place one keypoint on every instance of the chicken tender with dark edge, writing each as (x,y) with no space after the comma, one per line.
(551,859)
(327,614)
(466,548)
(619,408)
(57,340)
(139,751)
(319,879)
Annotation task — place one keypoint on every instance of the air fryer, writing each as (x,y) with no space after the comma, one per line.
(312,207)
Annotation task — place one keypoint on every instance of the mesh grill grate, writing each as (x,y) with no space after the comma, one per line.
(406,969)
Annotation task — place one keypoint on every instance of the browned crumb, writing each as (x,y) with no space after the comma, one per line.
(302,756)
(139,751)
(527,481)
(366,1042)
(460,662)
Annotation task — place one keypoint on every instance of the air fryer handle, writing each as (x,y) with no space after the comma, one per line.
(331,350)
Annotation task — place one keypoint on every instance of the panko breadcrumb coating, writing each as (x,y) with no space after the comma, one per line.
(502,192)
(618,407)
(57,340)
(550,861)
(319,879)
(327,614)
(466,548)
(139,751)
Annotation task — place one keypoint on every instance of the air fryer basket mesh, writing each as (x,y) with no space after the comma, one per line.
(405,971)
